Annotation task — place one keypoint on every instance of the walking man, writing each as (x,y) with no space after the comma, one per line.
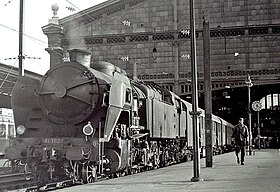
(239,138)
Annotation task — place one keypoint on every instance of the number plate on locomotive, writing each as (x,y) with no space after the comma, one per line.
(52,140)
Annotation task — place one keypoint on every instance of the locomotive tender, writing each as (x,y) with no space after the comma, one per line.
(85,121)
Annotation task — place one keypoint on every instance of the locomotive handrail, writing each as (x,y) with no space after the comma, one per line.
(70,95)
(79,99)
(73,86)
(82,83)
(46,93)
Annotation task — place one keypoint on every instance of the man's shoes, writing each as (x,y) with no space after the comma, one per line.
(238,160)
(242,163)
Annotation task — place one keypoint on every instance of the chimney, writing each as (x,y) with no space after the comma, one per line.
(80,56)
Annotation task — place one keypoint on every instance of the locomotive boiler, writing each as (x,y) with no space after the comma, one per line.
(84,121)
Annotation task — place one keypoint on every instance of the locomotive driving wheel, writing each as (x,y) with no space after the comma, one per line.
(89,173)
(76,172)
(27,172)
(155,155)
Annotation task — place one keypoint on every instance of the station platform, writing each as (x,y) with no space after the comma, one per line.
(261,173)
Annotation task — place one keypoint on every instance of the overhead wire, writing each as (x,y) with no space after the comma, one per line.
(4,80)
(43,43)
(8,2)
(45,67)
(73,4)
(99,22)
(34,39)
(29,36)
(85,14)
(38,41)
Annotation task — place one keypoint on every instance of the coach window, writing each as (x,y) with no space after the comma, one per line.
(128,96)
(184,107)
(167,97)
(2,130)
(178,106)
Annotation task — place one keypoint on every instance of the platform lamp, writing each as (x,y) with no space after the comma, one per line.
(249,84)
(154,53)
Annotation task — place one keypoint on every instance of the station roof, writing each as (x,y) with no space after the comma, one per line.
(8,77)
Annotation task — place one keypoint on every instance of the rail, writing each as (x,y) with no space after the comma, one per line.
(14,181)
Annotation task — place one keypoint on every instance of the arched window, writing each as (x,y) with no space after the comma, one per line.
(270,101)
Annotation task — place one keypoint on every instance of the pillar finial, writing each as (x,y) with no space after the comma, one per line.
(54,19)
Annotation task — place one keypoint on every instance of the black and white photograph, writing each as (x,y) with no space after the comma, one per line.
(140,95)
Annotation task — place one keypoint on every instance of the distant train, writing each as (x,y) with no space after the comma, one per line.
(7,129)
(83,122)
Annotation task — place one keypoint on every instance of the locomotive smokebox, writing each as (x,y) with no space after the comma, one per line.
(81,56)
(69,92)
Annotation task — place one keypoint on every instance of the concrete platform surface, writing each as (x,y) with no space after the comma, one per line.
(261,172)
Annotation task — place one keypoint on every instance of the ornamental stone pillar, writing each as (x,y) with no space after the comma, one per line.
(55,33)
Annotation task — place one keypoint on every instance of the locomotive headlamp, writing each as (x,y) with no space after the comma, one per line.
(88,129)
(20,129)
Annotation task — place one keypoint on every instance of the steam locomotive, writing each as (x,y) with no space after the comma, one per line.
(84,121)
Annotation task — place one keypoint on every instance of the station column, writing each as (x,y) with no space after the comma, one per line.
(54,32)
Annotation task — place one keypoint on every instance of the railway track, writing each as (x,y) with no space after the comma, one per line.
(14,181)
(5,170)
(7,167)
(70,182)
(19,181)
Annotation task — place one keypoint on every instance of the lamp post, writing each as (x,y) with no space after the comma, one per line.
(259,130)
(195,113)
(257,106)
(20,54)
(249,85)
